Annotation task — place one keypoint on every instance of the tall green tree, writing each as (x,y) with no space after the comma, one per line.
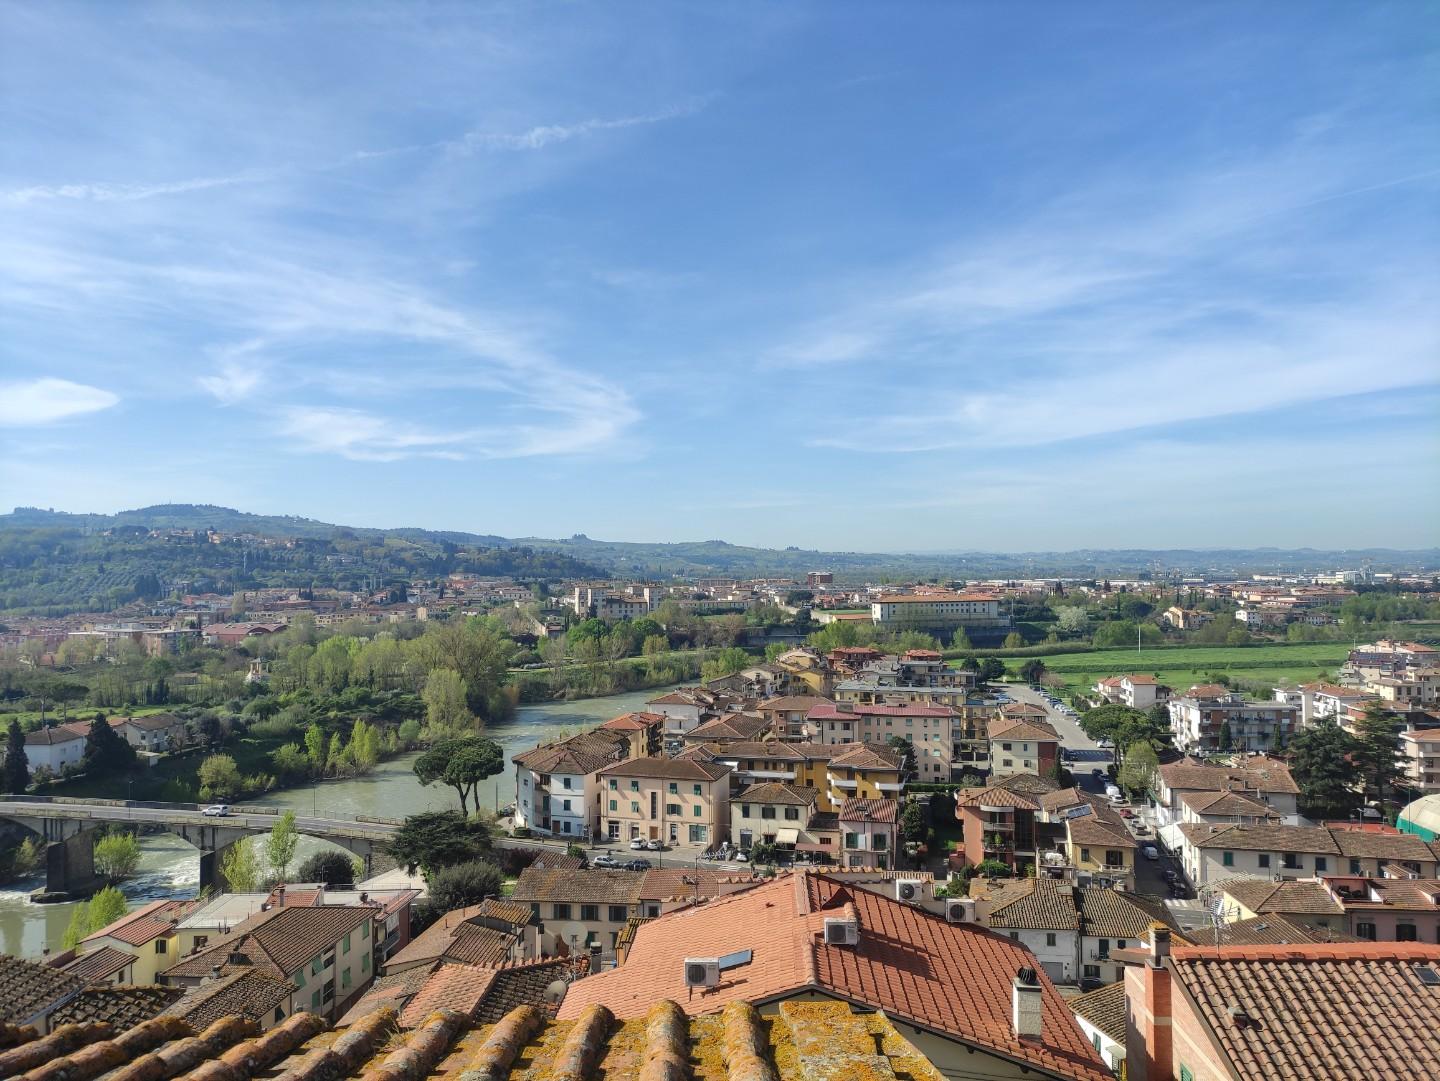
(1322,763)
(462,764)
(78,927)
(220,778)
(280,845)
(1137,774)
(435,839)
(106,907)
(106,751)
(315,747)
(16,774)
(726,662)
(240,867)
(1378,752)
(447,707)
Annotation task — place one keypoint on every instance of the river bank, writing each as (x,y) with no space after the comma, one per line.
(171,868)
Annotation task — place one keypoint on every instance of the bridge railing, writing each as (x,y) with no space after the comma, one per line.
(161,805)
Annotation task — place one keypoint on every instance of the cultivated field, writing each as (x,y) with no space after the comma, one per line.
(1181,667)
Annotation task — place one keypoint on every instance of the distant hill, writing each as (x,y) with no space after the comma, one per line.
(58,561)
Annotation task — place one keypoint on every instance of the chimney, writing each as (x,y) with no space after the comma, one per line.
(215,972)
(1026,1002)
(280,895)
(1159,946)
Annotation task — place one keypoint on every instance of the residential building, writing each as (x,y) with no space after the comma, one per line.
(1202,720)
(1070,929)
(1262,779)
(326,954)
(771,812)
(1022,746)
(1212,853)
(645,732)
(1136,691)
(148,936)
(554,783)
(1186,619)
(918,676)
(970,1001)
(1227,808)
(1101,1015)
(686,707)
(30,993)
(1098,844)
(251,995)
(1001,822)
(1255,1013)
(786,715)
(928,729)
(579,910)
(55,748)
(1321,700)
(978,613)
(862,771)
(158,732)
(1388,909)
(665,889)
(729,728)
(1422,759)
(675,800)
(871,832)
(494,932)
(803,764)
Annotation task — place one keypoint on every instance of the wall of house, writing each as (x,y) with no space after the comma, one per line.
(335,976)
(646,807)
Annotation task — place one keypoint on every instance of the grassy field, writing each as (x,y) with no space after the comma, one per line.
(1179,668)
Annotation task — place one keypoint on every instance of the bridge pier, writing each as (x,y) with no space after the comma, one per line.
(69,870)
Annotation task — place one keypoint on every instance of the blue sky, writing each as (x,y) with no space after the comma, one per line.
(887,277)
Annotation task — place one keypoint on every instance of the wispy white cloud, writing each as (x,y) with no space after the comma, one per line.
(543,135)
(46,401)
(128,193)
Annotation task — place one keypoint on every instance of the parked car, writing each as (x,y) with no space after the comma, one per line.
(655,846)
(740,857)
(217,810)
(638,845)
(638,865)
(1150,852)
(1126,812)
(604,860)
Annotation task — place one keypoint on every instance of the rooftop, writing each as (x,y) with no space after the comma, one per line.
(953,980)
(1105,1009)
(28,989)
(279,941)
(1333,1010)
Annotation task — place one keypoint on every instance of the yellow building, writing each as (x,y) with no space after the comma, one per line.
(861,771)
(675,800)
(147,935)
(1102,847)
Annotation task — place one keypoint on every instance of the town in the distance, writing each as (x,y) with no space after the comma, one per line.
(275,809)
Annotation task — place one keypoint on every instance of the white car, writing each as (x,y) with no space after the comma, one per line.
(217,810)
(1150,852)
(638,845)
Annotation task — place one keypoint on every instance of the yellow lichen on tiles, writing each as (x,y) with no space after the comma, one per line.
(534,1062)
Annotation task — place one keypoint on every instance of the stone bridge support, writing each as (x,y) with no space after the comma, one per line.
(69,867)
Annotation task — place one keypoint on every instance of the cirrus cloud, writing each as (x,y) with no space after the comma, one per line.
(27,403)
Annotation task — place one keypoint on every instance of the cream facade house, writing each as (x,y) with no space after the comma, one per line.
(677,801)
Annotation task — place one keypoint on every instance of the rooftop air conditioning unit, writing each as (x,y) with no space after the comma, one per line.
(960,910)
(702,971)
(910,889)
(840,932)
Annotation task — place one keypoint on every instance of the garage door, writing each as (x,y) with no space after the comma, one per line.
(1055,970)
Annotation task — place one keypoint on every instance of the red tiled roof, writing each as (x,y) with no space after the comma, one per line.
(454,987)
(99,964)
(951,979)
(145,924)
(875,810)
(634,722)
(1321,1010)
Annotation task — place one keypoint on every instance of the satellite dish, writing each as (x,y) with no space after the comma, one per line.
(555,992)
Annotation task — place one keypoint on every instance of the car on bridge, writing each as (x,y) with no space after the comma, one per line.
(217,810)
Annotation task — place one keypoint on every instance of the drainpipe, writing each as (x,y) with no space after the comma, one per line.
(1079,897)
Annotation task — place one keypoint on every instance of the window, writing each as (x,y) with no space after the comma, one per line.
(673,809)
(300,976)
(767,812)
(590,913)
(160,946)
(1050,938)
(699,834)
(614,784)
(1092,972)
(1084,855)
(1321,864)
(613,804)
(634,807)
(315,967)
(1355,867)
(1365,930)
(634,786)
(1405,932)
(674,789)
(565,782)
(1228,859)
(1005,746)
(562,912)
(535,909)
(279,1014)
(1264,858)
(792,814)
(345,944)
(1015,936)
(1186,1074)
(327,993)
(1103,948)
(618,913)
(315,1001)
(200,941)
(652,911)
(744,810)
(364,962)
(696,809)
(879,842)
(1291,861)
(698,791)
(566,807)
(345,978)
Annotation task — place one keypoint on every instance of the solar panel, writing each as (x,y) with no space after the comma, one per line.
(734,960)
(1428,976)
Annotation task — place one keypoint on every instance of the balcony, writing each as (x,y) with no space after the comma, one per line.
(840,782)
(888,786)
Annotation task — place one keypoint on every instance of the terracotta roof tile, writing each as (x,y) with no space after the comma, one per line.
(279,940)
(145,924)
(249,993)
(1105,1009)
(670,769)
(777,792)
(123,1006)
(1332,1010)
(874,810)
(27,988)
(591,886)
(951,979)
(99,965)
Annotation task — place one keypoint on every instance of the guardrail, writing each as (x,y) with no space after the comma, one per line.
(237,809)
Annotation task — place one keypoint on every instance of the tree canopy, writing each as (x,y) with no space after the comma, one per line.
(462,764)
(1322,763)
(435,839)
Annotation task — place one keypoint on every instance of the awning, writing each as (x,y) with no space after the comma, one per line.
(787,837)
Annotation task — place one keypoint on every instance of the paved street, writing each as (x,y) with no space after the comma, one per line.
(1071,735)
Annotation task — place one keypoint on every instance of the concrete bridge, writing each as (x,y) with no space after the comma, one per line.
(67,827)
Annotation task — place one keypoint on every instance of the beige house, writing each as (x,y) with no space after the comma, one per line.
(578,910)
(148,936)
(771,813)
(678,801)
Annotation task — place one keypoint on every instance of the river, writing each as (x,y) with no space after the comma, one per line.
(169,867)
